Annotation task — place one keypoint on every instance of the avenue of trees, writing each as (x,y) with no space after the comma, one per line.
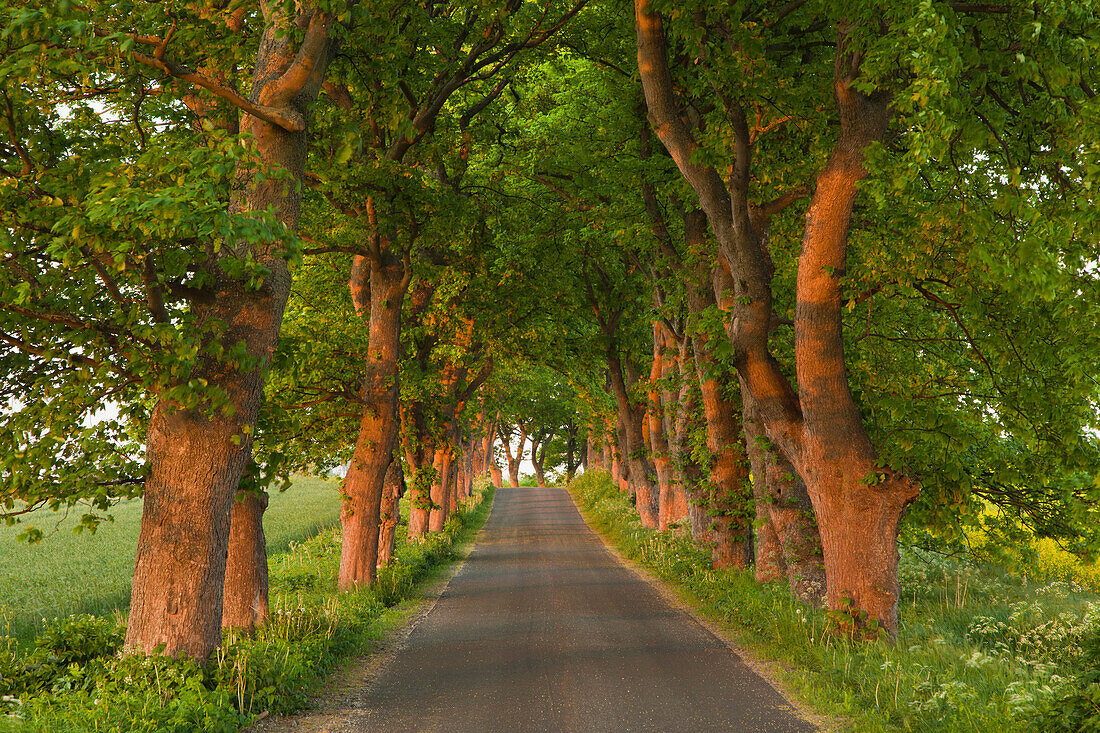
(799,275)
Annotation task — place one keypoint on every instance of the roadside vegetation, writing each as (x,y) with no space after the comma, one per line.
(848,249)
(74,679)
(71,573)
(978,648)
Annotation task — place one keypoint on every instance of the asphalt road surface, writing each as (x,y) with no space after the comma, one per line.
(543,630)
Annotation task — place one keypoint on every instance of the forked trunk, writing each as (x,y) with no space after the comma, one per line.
(538,460)
(246,579)
(515,460)
(390,514)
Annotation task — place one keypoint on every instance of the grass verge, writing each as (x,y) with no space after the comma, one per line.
(977,650)
(76,680)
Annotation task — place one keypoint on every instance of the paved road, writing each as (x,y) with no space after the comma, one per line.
(543,630)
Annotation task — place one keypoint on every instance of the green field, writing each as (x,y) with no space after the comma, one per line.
(69,573)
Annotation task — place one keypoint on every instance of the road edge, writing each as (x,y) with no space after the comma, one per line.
(332,706)
(767,669)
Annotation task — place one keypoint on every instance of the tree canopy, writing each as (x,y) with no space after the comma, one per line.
(802,275)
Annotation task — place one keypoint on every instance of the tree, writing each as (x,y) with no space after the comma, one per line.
(892,104)
(146,259)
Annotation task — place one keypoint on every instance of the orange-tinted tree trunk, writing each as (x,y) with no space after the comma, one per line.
(381,282)
(419,446)
(655,427)
(638,469)
(785,514)
(195,460)
(731,503)
(390,514)
(246,579)
(685,417)
(442,487)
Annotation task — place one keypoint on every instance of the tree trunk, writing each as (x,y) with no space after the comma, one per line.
(246,580)
(514,462)
(539,461)
(784,509)
(655,425)
(858,505)
(379,424)
(728,470)
(390,514)
(419,446)
(496,476)
(630,419)
(684,411)
(195,460)
(441,487)
(420,498)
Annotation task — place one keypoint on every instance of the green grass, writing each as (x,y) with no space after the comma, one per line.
(977,649)
(74,679)
(69,573)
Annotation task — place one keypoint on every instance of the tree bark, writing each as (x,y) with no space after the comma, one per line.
(679,410)
(784,509)
(630,419)
(419,446)
(655,425)
(538,460)
(246,579)
(441,487)
(196,459)
(858,505)
(390,514)
(728,470)
(388,279)
(514,462)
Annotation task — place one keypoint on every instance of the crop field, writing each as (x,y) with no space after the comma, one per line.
(69,573)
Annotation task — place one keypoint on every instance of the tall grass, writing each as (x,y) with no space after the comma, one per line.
(977,650)
(69,573)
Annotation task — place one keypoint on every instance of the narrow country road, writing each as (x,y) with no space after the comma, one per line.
(543,630)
